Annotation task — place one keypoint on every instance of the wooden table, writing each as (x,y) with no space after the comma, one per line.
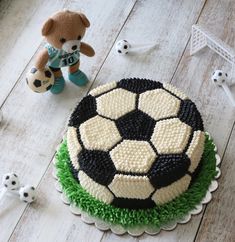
(34,124)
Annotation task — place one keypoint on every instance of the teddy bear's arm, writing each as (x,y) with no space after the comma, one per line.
(87,49)
(42,59)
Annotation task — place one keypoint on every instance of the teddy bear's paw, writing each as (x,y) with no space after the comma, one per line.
(79,78)
(58,86)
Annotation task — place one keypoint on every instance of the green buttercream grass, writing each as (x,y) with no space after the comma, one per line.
(154,217)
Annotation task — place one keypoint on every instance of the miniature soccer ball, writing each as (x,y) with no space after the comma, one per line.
(118,140)
(219,77)
(122,47)
(10,181)
(27,194)
(40,81)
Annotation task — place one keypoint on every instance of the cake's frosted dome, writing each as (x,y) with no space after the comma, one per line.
(135,143)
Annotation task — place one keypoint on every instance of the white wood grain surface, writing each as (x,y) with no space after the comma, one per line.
(33,124)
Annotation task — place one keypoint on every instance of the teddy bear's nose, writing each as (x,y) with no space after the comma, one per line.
(74,47)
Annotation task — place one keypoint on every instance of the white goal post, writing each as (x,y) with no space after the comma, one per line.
(201,38)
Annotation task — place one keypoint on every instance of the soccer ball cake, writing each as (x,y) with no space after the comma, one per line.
(136,156)
(135,143)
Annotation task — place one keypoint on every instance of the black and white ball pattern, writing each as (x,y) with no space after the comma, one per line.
(10,181)
(122,47)
(27,194)
(135,143)
(40,81)
(219,77)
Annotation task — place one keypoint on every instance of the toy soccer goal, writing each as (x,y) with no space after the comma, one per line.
(201,38)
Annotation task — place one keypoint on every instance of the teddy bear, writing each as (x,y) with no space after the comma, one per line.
(63,32)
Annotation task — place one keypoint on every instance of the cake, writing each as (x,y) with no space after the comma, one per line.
(132,146)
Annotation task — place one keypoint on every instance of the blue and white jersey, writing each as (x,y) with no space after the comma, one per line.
(60,58)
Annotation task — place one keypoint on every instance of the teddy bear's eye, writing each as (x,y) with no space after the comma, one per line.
(79,37)
(62,40)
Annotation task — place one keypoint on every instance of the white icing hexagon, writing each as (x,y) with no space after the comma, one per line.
(195,149)
(168,193)
(127,186)
(116,103)
(170,136)
(133,156)
(99,133)
(175,91)
(103,88)
(73,146)
(159,104)
(98,191)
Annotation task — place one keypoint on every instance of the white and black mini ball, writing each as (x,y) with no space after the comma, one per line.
(122,47)
(27,194)
(10,181)
(219,77)
(40,81)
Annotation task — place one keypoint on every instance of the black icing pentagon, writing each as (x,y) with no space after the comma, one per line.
(168,169)
(133,203)
(136,125)
(85,110)
(97,165)
(137,85)
(189,114)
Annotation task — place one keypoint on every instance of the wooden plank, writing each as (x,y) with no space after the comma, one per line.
(194,77)
(148,12)
(33,123)
(182,233)
(20,37)
(17,22)
(109,236)
(50,220)
(218,222)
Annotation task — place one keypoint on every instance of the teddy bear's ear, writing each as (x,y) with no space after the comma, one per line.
(84,19)
(47,26)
